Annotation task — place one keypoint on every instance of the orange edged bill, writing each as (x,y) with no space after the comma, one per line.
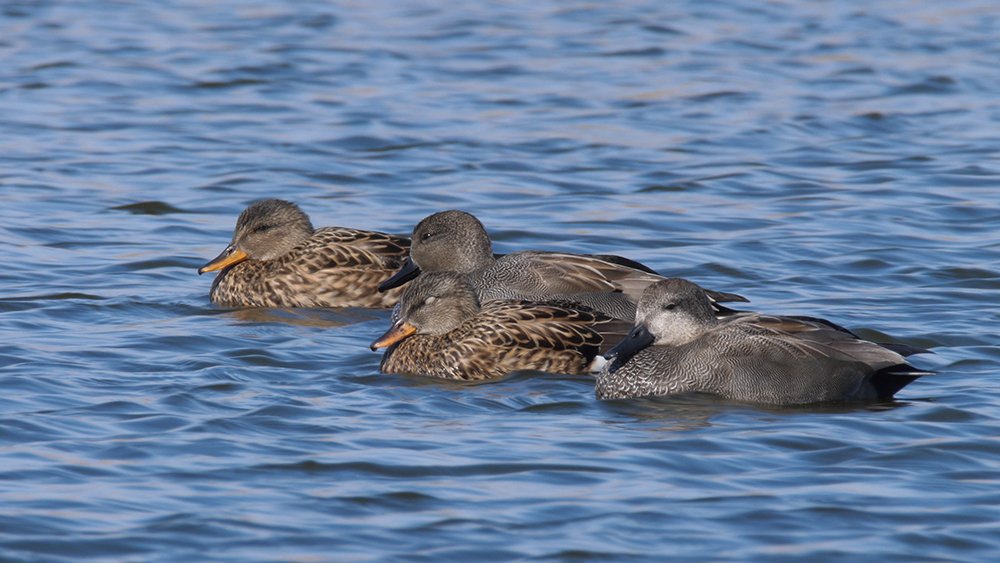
(231,255)
(398,332)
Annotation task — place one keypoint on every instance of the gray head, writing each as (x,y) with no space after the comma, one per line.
(671,312)
(266,230)
(434,304)
(675,311)
(451,241)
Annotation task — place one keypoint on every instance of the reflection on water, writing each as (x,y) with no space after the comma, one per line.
(321,318)
(837,160)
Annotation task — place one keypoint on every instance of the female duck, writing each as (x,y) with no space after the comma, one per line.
(678,345)
(277,259)
(443,331)
(455,241)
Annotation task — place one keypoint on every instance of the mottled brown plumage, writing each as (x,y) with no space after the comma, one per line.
(444,332)
(277,259)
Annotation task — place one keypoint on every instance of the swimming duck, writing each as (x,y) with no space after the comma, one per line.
(445,331)
(277,259)
(456,241)
(679,345)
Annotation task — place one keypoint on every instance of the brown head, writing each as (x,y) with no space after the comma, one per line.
(267,229)
(435,304)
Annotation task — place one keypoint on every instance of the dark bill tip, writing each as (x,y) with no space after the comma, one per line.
(405,274)
(397,332)
(637,339)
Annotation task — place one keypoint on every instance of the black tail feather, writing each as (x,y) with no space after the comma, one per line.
(889,380)
(627,262)
(904,349)
(821,321)
(723,311)
(726,297)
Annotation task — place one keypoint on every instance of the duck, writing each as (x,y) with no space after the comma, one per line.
(445,331)
(679,345)
(457,241)
(277,259)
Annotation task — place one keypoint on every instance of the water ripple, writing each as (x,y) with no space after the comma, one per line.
(819,159)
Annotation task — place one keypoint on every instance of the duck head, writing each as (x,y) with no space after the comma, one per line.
(435,304)
(266,230)
(447,241)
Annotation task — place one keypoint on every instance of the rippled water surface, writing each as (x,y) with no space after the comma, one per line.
(834,159)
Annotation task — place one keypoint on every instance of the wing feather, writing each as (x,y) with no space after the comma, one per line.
(814,337)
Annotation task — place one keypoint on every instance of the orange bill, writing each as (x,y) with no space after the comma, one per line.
(229,256)
(398,332)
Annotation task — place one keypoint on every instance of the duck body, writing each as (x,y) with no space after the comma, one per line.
(678,346)
(591,281)
(444,332)
(335,267)
(505,336)
(456,241)
(277,259)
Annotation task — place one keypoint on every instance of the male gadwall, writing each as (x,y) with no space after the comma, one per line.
(455,241)
(277,259)
(444,331)
(678,345)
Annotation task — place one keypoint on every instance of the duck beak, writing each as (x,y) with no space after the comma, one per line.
(396,333)
(637,339)
(405,274)
(231,255)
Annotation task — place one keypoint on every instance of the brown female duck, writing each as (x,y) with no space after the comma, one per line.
(444,331)
(277,259)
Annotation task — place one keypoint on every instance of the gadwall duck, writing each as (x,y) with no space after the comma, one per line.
(443,331)
(456,241)
(277,259)
(678,345)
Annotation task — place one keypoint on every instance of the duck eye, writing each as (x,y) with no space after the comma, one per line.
(262,228)
(670,306)
(430,300)
(426,236)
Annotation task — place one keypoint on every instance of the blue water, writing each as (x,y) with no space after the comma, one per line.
(832,159)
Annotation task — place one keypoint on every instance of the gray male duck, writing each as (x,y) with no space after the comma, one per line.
(456,241)
(679,345)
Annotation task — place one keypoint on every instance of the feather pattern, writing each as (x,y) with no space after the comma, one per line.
(505,336)
(456,241)
(327,267)
(336,267)
(749,357)
(444,332)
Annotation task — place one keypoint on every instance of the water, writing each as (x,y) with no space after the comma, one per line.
(833,159)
